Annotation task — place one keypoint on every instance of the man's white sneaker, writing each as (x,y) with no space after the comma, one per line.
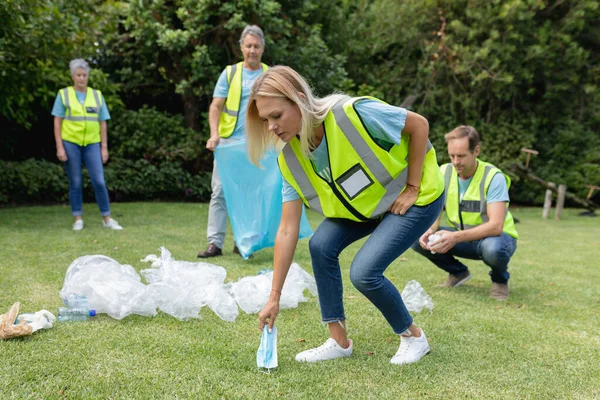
(78,225)
(113,224)
(328,351)
(411,350)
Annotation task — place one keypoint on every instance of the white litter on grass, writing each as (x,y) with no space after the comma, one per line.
(252,292)
(178,288)
(110,287)
(182,288)
(415,297)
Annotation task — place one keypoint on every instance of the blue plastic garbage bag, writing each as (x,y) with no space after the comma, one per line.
(253,197)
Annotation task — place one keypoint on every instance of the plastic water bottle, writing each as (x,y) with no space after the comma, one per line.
(73,300)
(75,314)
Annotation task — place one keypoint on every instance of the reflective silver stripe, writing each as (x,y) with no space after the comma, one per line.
(67,103)
(80,119)
(306,187)
(469,226)
(482,205)
(455,224)
(229,112)
(448,176)
(97,99)
(232,72)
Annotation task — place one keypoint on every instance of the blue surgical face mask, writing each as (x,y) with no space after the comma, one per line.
(266,356)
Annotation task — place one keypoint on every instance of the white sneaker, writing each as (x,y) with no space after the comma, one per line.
(327,351)
(411,350)
(113,224)
(78,225)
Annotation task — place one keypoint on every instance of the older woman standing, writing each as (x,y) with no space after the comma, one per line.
(369,168)
(80,116)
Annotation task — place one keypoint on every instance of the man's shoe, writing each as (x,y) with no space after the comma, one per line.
(237,251)
(211,251)
(456,280)
(499,291)
(327,351)
(411,350)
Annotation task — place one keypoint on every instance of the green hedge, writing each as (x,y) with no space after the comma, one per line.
(153,156)
(38,181)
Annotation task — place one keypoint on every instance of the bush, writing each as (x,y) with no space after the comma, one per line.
(38,181)
(157,137)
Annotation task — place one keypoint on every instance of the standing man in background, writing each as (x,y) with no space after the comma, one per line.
(227,120)
(477,208)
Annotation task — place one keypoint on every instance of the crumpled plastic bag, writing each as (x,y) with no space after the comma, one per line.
(253,196)
(110,287)
(42,319)
(182,288)
(8,328)
(415,297)
(252,292)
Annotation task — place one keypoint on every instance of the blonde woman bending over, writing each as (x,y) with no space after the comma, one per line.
(369,168)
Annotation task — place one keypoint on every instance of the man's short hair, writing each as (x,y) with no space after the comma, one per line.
(253,30)
(464,131)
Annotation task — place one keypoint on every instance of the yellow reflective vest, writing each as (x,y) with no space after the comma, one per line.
(234,97)
(81,124)
(366,178)
(471,211)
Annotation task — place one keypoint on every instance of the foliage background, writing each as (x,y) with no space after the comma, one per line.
(525,73)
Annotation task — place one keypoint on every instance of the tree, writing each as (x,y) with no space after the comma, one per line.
(183,45)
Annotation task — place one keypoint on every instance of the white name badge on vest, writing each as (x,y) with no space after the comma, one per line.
(354,181)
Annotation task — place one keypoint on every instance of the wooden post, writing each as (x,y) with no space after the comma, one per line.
(547,202)
(591,192)
(529,153)
(560,200)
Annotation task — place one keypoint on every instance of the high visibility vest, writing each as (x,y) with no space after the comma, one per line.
(366,178)
(472,210)
(81,124)
(234,97)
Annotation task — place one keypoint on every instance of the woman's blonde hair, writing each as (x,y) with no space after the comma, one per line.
(283,82)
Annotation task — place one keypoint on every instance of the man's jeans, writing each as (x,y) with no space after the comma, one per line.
(92,158)
(217,211)
(495,251)
(390,237)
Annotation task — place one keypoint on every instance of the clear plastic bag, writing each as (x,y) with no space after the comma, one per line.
(252,292)
(253,197)
(182,288)
(110,287)
(415,297)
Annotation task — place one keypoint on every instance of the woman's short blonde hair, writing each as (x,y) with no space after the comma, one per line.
(283,82)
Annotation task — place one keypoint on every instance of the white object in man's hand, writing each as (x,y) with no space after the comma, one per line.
(432,239)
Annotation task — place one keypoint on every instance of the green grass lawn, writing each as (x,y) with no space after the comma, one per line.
(543,343)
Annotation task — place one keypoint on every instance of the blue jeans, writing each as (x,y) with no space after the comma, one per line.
(92,158)
(495,251)
(390,237)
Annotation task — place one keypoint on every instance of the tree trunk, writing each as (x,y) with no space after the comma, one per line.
(190,110)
